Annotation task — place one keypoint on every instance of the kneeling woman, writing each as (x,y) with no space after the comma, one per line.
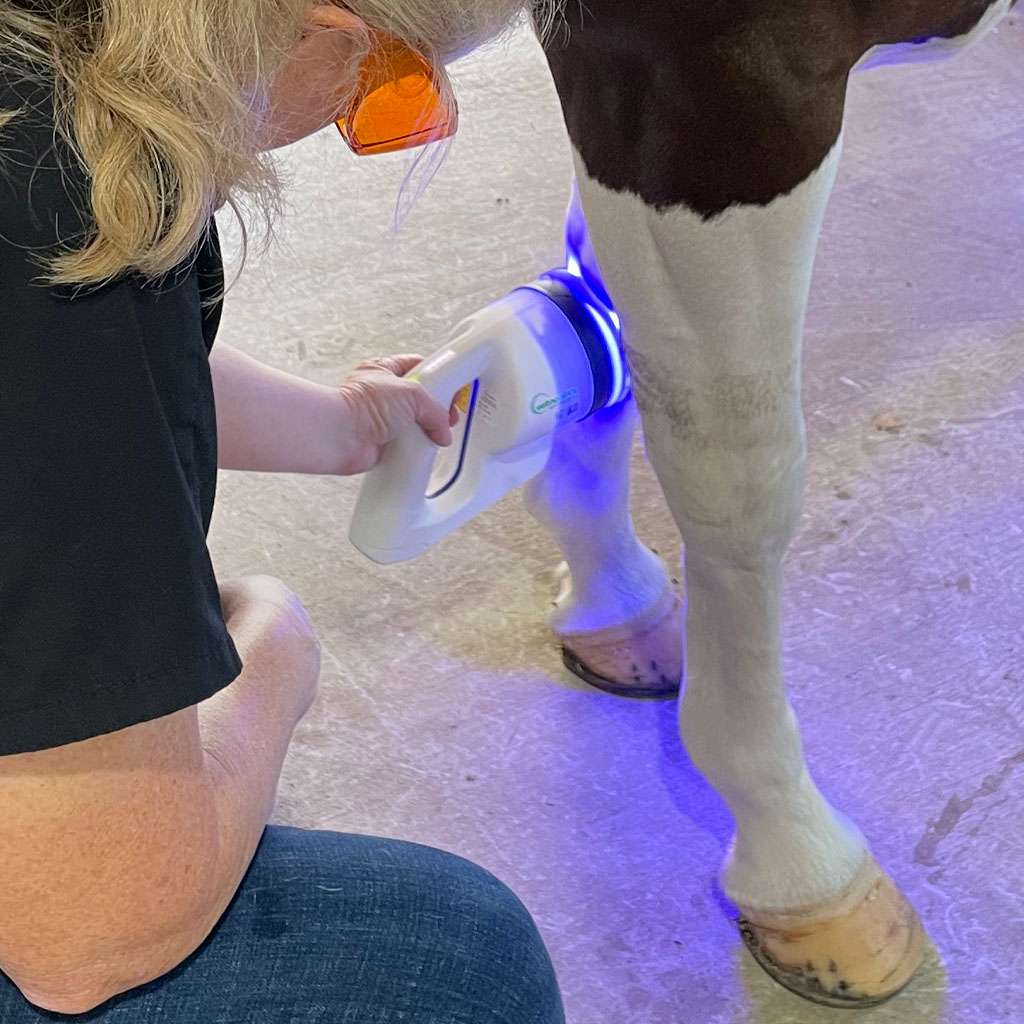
(145,708)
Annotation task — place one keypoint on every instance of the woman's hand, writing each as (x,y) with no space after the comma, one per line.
(271,421)
(381,405)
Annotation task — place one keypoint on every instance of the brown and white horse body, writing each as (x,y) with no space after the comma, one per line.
(707,136)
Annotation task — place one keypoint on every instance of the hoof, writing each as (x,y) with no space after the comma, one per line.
(641,659)
(855,951)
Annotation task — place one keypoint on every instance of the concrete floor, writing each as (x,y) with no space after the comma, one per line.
(445,715)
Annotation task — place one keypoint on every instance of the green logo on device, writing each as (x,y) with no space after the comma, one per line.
(543,403)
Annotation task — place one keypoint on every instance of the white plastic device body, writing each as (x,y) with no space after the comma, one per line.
(529,372)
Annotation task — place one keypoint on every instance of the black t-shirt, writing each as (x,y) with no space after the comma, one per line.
(109,610)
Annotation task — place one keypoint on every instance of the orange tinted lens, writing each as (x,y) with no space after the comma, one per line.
(400,104)
(405,113)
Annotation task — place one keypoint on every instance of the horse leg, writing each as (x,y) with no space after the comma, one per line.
(617,616)
(705,216)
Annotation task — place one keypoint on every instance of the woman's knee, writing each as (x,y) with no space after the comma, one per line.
(433,916)
(499,935)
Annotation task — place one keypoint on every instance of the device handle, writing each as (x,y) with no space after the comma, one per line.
(393,514)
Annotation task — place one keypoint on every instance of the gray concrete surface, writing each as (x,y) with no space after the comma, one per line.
(445,715)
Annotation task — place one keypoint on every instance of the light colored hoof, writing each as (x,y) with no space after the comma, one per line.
(642,658)
(855,951)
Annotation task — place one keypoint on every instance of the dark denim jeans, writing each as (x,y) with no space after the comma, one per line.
(329,928)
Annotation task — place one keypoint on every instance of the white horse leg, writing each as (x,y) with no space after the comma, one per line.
(617,616)
(707,138)
(713,312)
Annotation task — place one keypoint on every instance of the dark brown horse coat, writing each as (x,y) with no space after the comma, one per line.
(712,102)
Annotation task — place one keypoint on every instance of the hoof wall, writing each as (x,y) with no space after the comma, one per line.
(642,659)
(855,951)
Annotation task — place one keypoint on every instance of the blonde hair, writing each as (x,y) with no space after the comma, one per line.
(162,101)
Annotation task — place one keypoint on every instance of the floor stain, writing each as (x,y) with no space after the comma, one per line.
(926,851)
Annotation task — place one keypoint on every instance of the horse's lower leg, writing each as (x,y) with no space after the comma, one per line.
(582,497)
(713,312)
(617,616)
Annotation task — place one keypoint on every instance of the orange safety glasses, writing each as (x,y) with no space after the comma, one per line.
(402,101)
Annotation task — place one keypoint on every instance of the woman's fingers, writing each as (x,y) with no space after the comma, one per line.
(430,415)
(433,418)
(398,365)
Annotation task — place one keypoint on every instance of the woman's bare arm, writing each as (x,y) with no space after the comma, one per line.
(119,854)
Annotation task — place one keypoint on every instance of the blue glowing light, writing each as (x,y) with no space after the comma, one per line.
(583,278)
(612,342)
